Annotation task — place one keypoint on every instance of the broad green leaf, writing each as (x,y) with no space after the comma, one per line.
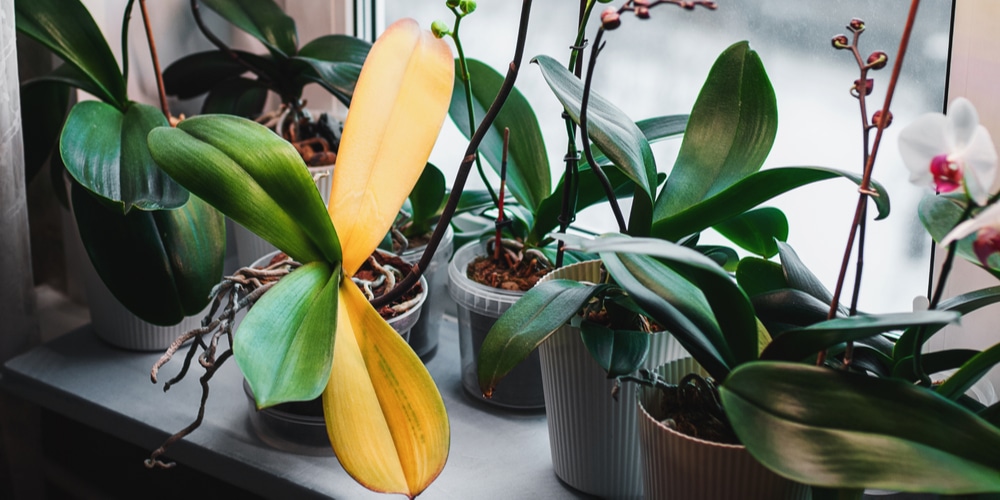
(528,177)
(618,352)
(43,108)
(198,73)
(970,373)
(730,133)
(614,132)
(384,415)
(68,30)
(730,305)
(725,257)
(756,276)
(940,215)
(756,230)
(336,62)
(237,96)
(527,323)
(655,130)
(263,20)
(800,277)
(179,255)
(797,344)
(284,345)
(837,429)
(933,362)
(473,199)
(267,188)
(425,200)
(105,151)
(397,111)
(589,192)
(963,304)
(745,194)
(787,308)
(67,75)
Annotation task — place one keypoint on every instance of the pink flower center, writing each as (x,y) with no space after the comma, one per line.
(947,174)
(987,243)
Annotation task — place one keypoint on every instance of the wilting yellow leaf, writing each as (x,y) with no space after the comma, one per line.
(384,415)
(399,104)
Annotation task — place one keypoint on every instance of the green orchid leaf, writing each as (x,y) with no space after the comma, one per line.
(425,200)
(528,177)
(970,373)
(67,75)
(284,346)
(105,151)
(236,96)
(837,429)
(68,30)
(725,257)
(747,193)
(730,133)
(655,130)
(44,105)
(217,155)
(335,62)
(934,362)
(589,192)
(800,277)
(178,253)
(800,343)
(198,73)
(963,304)
(757,276)
(787,308)
(730,305)
(527,323)
(618,352)
(610,128)
(756,230)
(940,215)
(261,19)
(474,199)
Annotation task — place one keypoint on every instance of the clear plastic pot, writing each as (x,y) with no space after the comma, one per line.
(424,335)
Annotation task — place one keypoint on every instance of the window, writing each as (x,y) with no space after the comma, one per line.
(656,67)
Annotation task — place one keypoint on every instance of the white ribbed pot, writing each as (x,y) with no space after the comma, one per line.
(676,465)
(299,427)
(250,247)
(478,307)
(424,335)
(593,436)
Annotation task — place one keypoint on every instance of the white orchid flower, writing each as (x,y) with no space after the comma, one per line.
(949,152)
(986,225)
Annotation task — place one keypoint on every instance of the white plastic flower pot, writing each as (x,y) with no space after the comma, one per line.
(300,427)
(479,306)
(593,436)
(424,335)
(676,465)
(250,247)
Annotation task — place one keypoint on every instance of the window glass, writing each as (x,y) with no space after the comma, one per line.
(656,67)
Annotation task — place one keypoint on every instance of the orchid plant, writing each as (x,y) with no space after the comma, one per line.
(314,333)
(862,411)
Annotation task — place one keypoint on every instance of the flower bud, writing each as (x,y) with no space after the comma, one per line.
(877,119)
(864,87)
(440,29)
(610,19)
(642,12)
(452,3)
(467,6)
(987,243)
(856,26)
(840,42)
(877,60)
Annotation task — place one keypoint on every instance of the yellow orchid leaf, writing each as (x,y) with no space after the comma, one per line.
(399,105)
(384,415)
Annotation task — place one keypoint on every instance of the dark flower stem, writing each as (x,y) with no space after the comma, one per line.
(156,60)
(463,170)
(865,188)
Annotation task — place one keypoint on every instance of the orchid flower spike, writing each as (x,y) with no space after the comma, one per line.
(987,228)
(950,152)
